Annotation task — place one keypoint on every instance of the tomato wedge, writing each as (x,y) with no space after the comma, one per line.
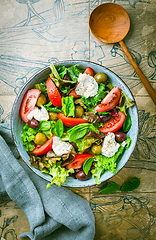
(89,71)
(28,103)
(40,150)
(70,121)
(74,94)
(53,93)
(114,124)
(110,101)
(79,161)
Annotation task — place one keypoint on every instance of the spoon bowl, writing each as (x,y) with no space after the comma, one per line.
(110,23)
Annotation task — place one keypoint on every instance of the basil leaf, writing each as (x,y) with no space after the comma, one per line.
(131,184)
(127,123)
(44,125)
(58,128)
(80,131)
(109,187)
(87,165)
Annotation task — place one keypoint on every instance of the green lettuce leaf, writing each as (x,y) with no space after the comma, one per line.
(68,106)
(50,107)
(58,174)
(28,136)
(91,102)
(103,163)
(72,71)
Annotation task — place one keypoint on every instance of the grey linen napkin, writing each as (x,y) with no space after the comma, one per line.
(55,213)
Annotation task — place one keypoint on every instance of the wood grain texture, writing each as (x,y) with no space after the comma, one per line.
(53,30)
(110,23)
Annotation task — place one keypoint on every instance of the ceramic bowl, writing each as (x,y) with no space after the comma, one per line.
(17,123)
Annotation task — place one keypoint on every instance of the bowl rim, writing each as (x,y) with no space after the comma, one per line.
(42,70)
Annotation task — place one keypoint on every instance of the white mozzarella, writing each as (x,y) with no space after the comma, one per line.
(109,146)
(87,86)
(38,114)
(60,147)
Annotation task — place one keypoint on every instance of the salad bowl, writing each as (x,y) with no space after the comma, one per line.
(17,123)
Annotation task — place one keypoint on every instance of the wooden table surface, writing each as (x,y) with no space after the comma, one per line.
(35,33)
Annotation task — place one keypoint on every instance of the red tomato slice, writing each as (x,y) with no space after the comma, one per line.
(40,150)
(89,71)
(114,124)
(110,101)
(79,161)
(28,103)
(74,94)
(53,93)
(70,121)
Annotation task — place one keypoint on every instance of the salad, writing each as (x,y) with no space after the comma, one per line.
(76,124)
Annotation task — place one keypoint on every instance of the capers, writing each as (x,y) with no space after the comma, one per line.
(41,100)
(100,77)
(53,116)
(96,149)
(40,139)
(79,111)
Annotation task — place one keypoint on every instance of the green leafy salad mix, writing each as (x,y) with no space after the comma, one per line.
(76,124)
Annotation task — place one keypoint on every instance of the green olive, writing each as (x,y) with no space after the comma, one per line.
(53,116)
(79,111)
(100,77)
(41,100)
(40,139)
(96,149)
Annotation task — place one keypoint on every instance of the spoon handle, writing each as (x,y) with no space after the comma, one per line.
(142,77)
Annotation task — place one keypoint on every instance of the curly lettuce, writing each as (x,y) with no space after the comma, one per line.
(58,174)
(103,163)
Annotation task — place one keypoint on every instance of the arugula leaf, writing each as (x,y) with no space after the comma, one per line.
(122,109)
(62,70)
(109,85)
(125,101)
(58,128)
(131,184)
(109,187)
(72,71)
(127,123)
(42,87)
(54,71)
(80,131)
(87,165)
(68,106)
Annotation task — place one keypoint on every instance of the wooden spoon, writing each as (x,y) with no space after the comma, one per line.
(110,23)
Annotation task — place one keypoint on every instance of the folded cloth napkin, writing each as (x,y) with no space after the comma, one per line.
(55,213)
